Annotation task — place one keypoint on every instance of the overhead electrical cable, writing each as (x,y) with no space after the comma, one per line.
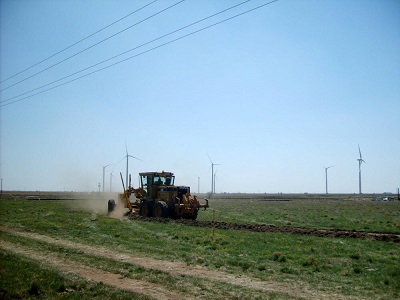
(130,50)
(81,40)
(141,53)
(115,34)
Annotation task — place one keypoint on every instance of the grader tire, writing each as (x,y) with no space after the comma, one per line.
(161,210)
(195,213)
(111,205)
(146,209)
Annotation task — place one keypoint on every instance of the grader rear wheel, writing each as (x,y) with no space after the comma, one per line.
(144,211)
(195,213)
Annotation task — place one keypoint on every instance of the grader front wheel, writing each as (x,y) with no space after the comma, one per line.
(146,209)
(161,210)
(111,205)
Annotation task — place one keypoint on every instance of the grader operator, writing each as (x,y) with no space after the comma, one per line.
(158,197)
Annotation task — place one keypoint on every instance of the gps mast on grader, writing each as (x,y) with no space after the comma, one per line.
(158,197)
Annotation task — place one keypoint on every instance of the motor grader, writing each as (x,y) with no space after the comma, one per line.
(157,196)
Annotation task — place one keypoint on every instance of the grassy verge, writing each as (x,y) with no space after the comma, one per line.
(346,266)
(350,266)
(22,278)
(189,286)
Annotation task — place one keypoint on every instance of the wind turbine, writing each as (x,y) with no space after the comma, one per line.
(111,176)
(212,175)
(360,161)
(215,177)
(1,188)
(127,164)
(104,169)
(326,178)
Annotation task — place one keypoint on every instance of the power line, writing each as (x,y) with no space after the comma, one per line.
(141,53)
(81,40)
(130,50)
(115,34)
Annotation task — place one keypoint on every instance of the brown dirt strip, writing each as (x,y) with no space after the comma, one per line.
(94,274)
(181,268)
(335,233)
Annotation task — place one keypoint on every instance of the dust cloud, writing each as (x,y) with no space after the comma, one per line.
(119,211)
(96,203)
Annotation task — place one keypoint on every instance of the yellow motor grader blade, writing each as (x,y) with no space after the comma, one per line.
(126,196)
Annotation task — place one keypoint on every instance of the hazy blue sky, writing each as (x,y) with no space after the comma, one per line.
(274,95)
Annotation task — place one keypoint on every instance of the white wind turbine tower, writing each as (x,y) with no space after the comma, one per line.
(360,161)
(127,164)
(326,178)
(104,169)
(215,177)
(212,174)
(111,176)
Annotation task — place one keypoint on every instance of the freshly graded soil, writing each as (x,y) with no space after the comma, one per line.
(335,233)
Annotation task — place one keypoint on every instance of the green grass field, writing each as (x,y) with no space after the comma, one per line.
(343,267)
(350,215)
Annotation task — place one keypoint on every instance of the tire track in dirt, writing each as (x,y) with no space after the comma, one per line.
(335,233)
(95,274)
(181,268)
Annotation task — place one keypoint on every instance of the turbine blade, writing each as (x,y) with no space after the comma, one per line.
(359,150)
(134,157)
(209,158)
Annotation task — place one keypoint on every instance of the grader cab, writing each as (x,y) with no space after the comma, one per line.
(158,197)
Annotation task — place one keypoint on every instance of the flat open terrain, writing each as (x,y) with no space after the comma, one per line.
(64,246)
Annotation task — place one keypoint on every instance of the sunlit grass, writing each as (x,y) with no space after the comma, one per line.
(344,265)
(22,278)
(350,215)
